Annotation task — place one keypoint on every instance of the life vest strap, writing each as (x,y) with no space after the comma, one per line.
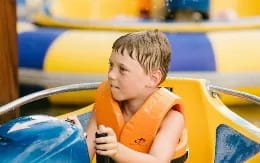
(181,159)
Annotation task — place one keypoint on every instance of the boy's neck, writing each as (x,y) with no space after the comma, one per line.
(130,107)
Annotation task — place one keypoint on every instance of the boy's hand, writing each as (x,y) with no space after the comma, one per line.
(75,120)
(107,145)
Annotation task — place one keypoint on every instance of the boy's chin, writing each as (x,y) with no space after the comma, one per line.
(117,98)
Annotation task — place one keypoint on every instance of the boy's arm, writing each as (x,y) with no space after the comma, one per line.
(162,148)
(91,130)
(166,141)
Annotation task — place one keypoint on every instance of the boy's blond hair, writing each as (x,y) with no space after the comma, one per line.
(152,50)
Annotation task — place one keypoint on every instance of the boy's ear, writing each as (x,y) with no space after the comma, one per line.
(156,77)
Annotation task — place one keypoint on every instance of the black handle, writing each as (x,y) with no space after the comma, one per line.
(100,158)
(101,135)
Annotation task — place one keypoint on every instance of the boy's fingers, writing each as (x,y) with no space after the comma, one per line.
(73,117)
(106,146)
(102,129)
(110,131)
(106,153)
(106,139)
(75,120)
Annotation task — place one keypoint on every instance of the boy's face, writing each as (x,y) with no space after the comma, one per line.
(126,77)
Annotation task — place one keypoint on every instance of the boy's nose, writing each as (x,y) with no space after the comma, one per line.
(112,75)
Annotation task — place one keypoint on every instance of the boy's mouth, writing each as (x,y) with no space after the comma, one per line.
(112,86)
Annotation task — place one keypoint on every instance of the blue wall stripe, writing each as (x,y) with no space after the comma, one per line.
(191,52)
(33,46)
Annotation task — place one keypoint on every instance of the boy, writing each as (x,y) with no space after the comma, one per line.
(143,122)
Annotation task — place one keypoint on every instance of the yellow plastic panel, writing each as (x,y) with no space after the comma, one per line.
(74,98)
(248,8)
(254,159)
(242,7)
(236,50)
(113,9)
(199,140)
(249,112)
(220,5)
(232,100)
(76,9)
(77,112)
(204,113)
(93,9)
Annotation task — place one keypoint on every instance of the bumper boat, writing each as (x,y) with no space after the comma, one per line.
(215,133)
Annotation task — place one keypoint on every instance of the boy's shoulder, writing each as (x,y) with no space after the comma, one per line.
(168,92)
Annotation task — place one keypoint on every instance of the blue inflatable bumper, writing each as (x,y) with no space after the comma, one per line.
(42,139)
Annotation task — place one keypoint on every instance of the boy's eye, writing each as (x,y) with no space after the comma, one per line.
(122,69)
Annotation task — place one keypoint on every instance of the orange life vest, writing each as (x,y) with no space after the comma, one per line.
(141,129)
